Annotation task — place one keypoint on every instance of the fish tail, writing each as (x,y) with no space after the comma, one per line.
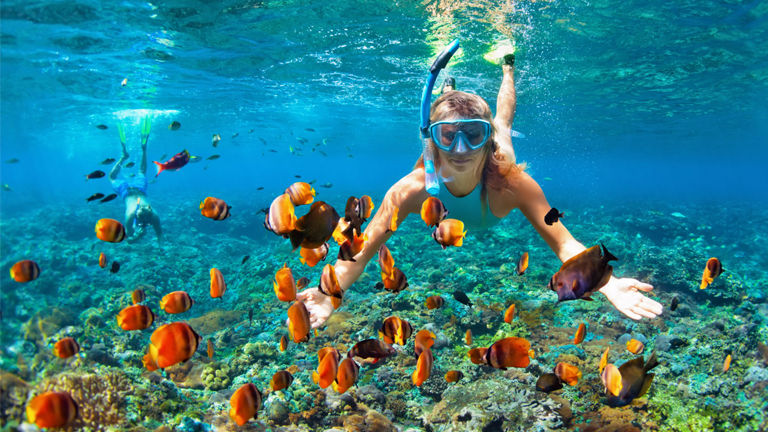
(607,256)
(160,167)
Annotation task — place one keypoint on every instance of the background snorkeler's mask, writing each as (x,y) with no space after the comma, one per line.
(473,132)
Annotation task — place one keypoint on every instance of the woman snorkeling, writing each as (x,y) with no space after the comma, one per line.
(138,209)
(481,184)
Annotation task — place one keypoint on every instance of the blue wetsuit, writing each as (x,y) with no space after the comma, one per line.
(124,187)
(467,209)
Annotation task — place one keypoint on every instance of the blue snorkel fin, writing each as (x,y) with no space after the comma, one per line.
(430,176)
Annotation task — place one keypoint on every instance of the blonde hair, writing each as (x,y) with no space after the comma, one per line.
(499,171)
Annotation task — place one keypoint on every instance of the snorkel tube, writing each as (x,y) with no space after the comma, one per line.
(430,176)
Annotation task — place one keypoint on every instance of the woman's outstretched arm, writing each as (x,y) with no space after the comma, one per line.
(623,293)
(406,195)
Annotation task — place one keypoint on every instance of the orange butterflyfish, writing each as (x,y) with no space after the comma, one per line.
(365,207)
(51,410)
(423,340)
(468,337)
(348,250)
(283,343)
(338,231)
(311,257)
(66,348)
(581,332)
(476,355)
(423,367)
(138,295)
(218,286)
(25,271)
(281,380)
(509,315)
(611,378)
(433,211)
(176,302)
(727,364)
(329,284)
(346,376)
(508,352)
(450,232)
(329,358)
(148,361)
(173,343)
(136,317)
(604,360)
(567,373)
(301,193)
(211,348)
(214,208)
(392,225)
(298,325)
(531,354)
(110,230)
(317,333)
(285,284)
(635,346)
(336,302)
(522,264)
(246,403)
(712,270)
(281,218)
(386,262)
(396,282)
(102,260)
(434,302)
(454,376)
(395,330)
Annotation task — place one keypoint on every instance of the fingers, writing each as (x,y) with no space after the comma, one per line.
(642,312)
(629,313)
(652,306)
(302,296)
(643,286)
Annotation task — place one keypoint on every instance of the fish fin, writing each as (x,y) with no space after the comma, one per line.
(652,362)
(316,377)
(646,385)
(160,168)
(607,256)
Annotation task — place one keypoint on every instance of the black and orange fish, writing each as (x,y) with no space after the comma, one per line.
(171,344)
(298,322)
(218,286)
(396,282)
(281,380)
(712,270)
(434,302)
(386,262)
(136,317)
(110,230)
(450,232)
(214,208)
(433,211)
(176,302)
(66,348)
(246,403)
(311,257)
(423,367)
(52,410)
(522,264)
(372,348)
(301,193)
(508,352)
(284,284)
(25,271)
(346,375)
(395,330)
(281,217)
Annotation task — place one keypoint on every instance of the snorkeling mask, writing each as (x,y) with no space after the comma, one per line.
(473,133)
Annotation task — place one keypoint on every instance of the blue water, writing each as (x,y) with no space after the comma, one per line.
(628,109)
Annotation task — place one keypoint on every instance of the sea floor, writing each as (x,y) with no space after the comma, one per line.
(659,243)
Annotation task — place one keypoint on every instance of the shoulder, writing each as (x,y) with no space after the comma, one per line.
(520,188)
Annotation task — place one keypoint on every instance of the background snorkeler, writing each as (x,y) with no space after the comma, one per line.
(138,209)
(475,152)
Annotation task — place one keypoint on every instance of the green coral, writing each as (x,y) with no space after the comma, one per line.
(216,376)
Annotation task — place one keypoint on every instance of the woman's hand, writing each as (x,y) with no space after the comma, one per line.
(318,304)
(626,297)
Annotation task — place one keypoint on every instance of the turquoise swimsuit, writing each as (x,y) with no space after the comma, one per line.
(467,209)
